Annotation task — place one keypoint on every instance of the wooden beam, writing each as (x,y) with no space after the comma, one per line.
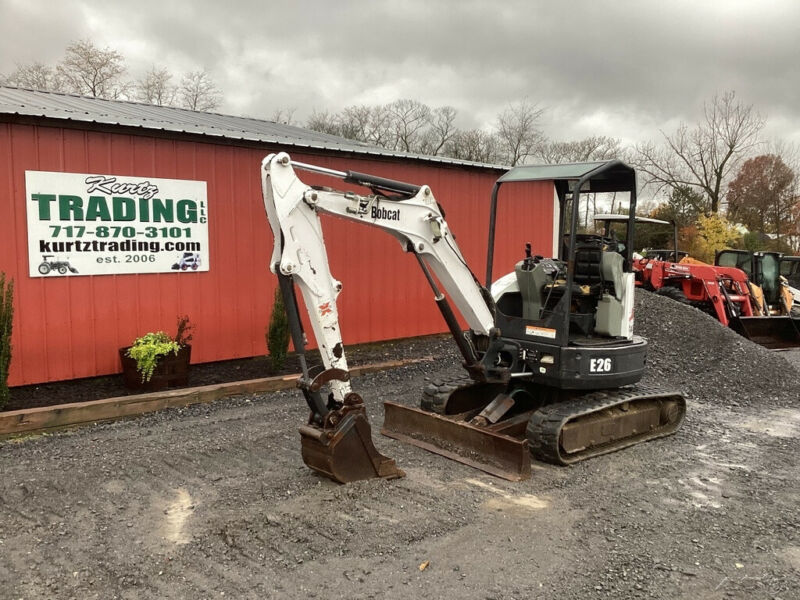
(30,420)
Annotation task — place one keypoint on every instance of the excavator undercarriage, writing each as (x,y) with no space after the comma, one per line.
(561,430)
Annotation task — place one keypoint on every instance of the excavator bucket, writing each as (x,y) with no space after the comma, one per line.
(774,332)
(345,452)
(493,449)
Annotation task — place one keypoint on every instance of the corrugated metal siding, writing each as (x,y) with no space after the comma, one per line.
(69,327)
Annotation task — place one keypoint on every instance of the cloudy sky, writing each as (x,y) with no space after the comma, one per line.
(622,68)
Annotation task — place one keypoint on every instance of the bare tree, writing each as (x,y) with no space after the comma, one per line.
(198,92)
(705,156)
(92,71)
(284,116)
(36,76)
(370,124)
(324,122)
(155,87)
(518,131)
(407,125)
(441,129)
(409,119)
(598,147)
(475,145)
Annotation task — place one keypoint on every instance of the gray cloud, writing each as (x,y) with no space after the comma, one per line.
(626,68)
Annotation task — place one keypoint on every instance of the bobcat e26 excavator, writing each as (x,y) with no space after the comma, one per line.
(547,353)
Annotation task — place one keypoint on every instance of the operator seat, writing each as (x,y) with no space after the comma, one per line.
(588,258)
(610,311)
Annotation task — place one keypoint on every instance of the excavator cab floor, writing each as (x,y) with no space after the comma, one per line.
(346,452)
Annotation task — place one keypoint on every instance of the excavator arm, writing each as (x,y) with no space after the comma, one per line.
(337,440)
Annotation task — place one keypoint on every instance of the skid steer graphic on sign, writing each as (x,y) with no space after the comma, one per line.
(51,265)
(189,260)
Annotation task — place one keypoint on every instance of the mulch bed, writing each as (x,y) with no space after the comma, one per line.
(111,386)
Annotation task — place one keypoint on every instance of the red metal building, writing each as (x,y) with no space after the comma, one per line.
(71,326)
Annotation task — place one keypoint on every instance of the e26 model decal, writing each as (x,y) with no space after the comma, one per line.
(600,365)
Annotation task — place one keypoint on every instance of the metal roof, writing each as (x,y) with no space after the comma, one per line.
(602,176)
(550,172)
(561,172)
(625,218)
(81,109)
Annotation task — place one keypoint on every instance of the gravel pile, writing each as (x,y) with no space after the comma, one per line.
(690,350)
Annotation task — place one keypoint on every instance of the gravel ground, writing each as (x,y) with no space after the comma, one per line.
(214,501)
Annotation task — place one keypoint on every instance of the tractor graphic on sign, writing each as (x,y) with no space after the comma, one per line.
(51,265)
(189,260)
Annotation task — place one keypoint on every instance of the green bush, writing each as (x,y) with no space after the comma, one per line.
(147,350)
(6,322)
(278,333)
(184,332)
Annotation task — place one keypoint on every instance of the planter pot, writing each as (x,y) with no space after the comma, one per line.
(172,370)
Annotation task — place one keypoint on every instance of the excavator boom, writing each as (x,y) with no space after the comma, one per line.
(337,441)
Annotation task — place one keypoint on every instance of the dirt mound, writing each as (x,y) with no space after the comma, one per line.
(692,351)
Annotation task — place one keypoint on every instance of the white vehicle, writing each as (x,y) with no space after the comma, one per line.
(538,351)
(189,260)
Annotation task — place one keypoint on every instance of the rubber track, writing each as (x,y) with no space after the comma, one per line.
(544,428)
(435,393)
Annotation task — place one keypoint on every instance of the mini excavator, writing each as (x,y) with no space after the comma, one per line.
(550,358)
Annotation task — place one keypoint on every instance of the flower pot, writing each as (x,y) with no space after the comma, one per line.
(172,370)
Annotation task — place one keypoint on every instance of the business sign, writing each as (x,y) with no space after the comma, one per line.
(94,224)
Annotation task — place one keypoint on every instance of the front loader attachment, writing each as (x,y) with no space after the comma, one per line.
(773,332)
(343,450)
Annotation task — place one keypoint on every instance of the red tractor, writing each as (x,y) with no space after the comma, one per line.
(743,290)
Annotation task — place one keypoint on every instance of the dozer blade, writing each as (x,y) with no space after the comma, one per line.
(345,452)
(479,447)
(775,332)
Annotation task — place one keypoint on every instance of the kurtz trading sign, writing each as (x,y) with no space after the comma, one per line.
(89,224)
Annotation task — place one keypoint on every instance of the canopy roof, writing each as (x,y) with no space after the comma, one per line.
(604,175)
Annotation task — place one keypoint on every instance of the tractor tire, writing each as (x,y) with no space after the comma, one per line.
(44,268)
(62,270)
(673,293)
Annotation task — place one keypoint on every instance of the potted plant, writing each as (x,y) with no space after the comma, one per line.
(157,361)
